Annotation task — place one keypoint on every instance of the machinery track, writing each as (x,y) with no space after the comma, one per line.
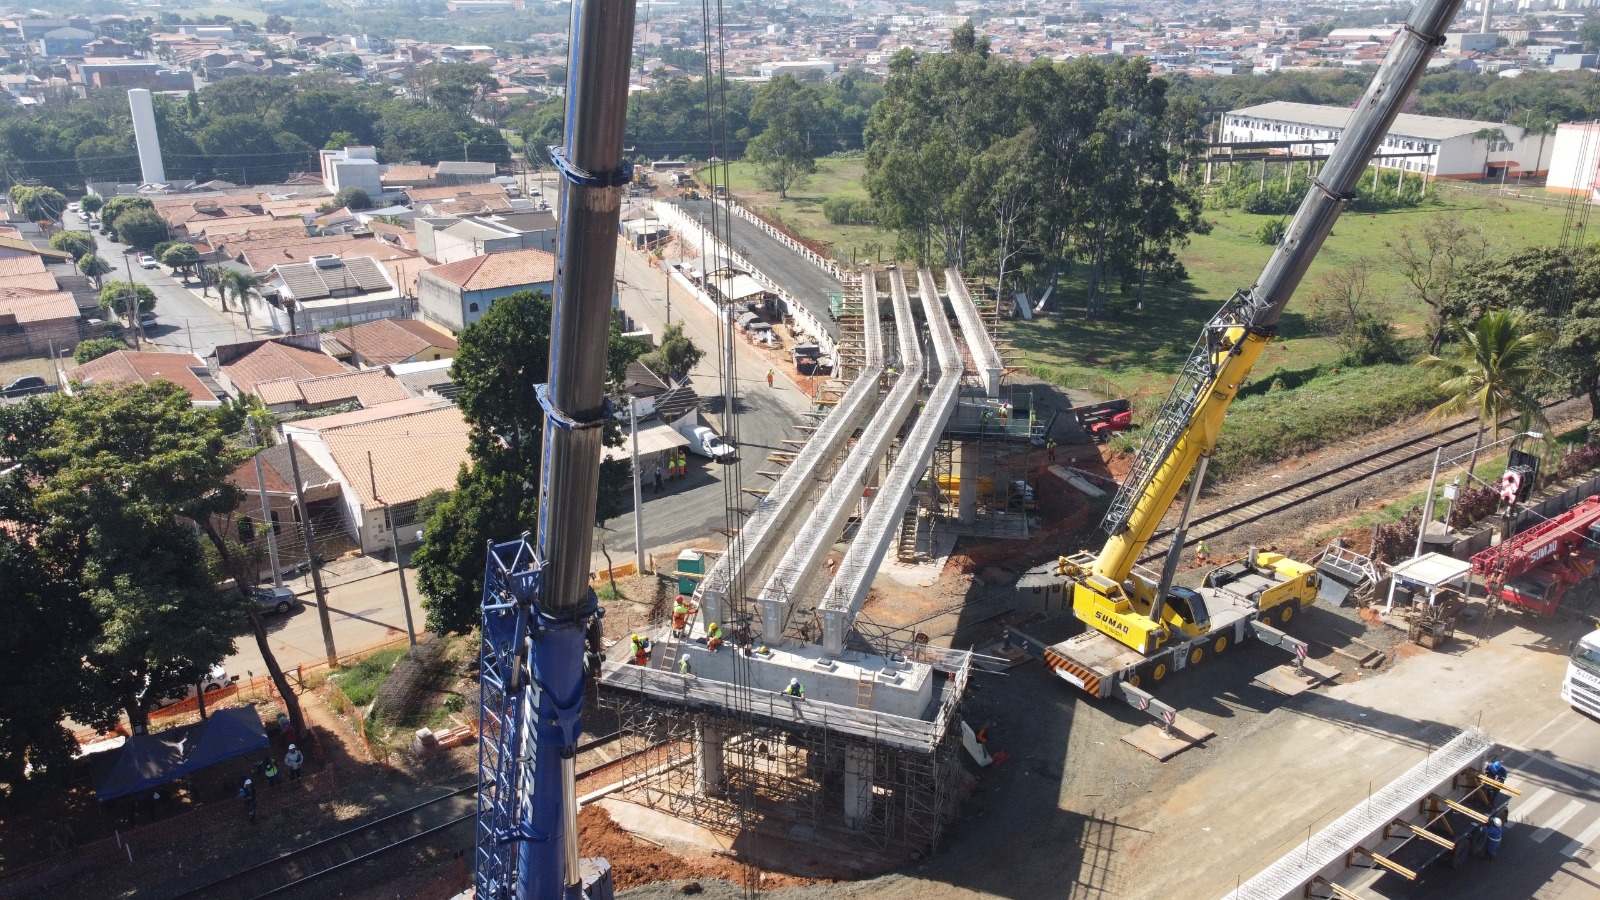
(1291,493)
(419,827)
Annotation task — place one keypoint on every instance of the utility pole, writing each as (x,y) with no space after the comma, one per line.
(266,511)
(638,502)
(399,565)
(311,555)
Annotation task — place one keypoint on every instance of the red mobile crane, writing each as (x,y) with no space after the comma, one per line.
(1549,562)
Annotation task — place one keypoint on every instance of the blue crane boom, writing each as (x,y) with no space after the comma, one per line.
(540,618)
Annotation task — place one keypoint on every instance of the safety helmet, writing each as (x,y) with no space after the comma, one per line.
(794,682)
(1495,821)
(712,627)
(291,746)
(248,782)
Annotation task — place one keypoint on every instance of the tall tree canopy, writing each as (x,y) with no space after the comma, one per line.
(501,358)
(976,162)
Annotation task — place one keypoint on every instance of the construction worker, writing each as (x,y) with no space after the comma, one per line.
(769,378)
(1497,771)
(680,614)
(247,793)
(293,760)
(1004,408)
(795,689)
(714,637)
(270,770)
(1493,833)
(1050,449)
(641,650)
(683,464)
(658,479)
(683,667)
(1202,554)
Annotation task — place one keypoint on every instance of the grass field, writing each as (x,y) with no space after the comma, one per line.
(802,211)
(1136,353)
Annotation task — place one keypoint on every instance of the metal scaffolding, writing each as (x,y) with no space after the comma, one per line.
(729,760)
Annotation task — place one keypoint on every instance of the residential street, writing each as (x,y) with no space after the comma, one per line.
(766,416)
(184,322)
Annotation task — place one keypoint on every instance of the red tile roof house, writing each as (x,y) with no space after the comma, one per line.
(35,322)
(457,294)
(385,459)
(142,367)
(386,342)
(324,503)
(239,368)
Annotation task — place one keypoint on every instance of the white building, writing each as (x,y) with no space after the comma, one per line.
(796,67)
(1575,160)
(352,167)
(1456,150)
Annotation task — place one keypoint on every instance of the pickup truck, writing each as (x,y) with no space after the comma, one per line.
(705,442)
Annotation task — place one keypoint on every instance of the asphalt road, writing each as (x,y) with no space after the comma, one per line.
(693,507)
(184,322)
(363,613)
(807,283)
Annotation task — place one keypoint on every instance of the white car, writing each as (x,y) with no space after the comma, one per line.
(146,261)
(214,680)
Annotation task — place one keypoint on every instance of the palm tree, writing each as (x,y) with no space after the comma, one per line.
(242,285)
(1490,372)
(1543,128)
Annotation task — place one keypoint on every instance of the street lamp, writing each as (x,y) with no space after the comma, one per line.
(1438,462)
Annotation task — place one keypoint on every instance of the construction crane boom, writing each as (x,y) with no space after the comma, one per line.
(1190,422)
(540,617)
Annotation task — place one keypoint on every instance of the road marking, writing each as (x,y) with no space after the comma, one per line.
(1584,839)
(1567,812)
(1525,808)
(1548,757)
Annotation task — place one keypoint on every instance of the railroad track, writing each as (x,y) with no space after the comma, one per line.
(419,826)
(1291,493)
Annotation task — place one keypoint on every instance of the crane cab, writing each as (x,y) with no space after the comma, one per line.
(1272,582)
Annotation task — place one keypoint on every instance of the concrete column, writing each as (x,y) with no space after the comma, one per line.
(858,765)
(774,617)
(710,607)
(967,496)
(708,758)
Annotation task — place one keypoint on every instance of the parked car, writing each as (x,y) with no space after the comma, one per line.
(74,206)
(276,599)
(29,384)
(146,261)
(214,680)
(147,320)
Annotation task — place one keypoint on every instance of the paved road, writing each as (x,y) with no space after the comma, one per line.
(800,278)
(183,320)
(693,507)
(363,613)
(1552,848)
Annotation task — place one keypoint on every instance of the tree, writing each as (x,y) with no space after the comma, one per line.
(94,348)
(277,24)
(352,197)
(499,359)
(181,257)
(37,204)
(1490,372)
(117,207)
(1346,309)
(93,266)
(117,296)
(1435,259)
(782,152)
(677,354)
(90,204)
(76,243)
(108,474)
(142,228)
(241,284)
(485,506)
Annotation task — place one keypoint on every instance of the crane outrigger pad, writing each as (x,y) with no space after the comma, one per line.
(1174,735)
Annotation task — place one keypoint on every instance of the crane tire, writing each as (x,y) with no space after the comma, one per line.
(1197,656)
(1219,644)
(1285,612)
(1158,672)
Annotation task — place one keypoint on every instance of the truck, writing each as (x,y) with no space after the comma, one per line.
(1581,686)
(1138,626)
(702,439)
(1101,420)
(1551,563)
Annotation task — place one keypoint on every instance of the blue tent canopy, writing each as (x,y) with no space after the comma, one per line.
(147,760)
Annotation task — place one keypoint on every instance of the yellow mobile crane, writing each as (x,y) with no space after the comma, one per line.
(1140,627)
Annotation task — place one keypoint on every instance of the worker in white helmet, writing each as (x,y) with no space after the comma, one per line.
(795,689)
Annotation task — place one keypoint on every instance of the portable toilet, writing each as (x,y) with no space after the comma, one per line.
(691,563)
